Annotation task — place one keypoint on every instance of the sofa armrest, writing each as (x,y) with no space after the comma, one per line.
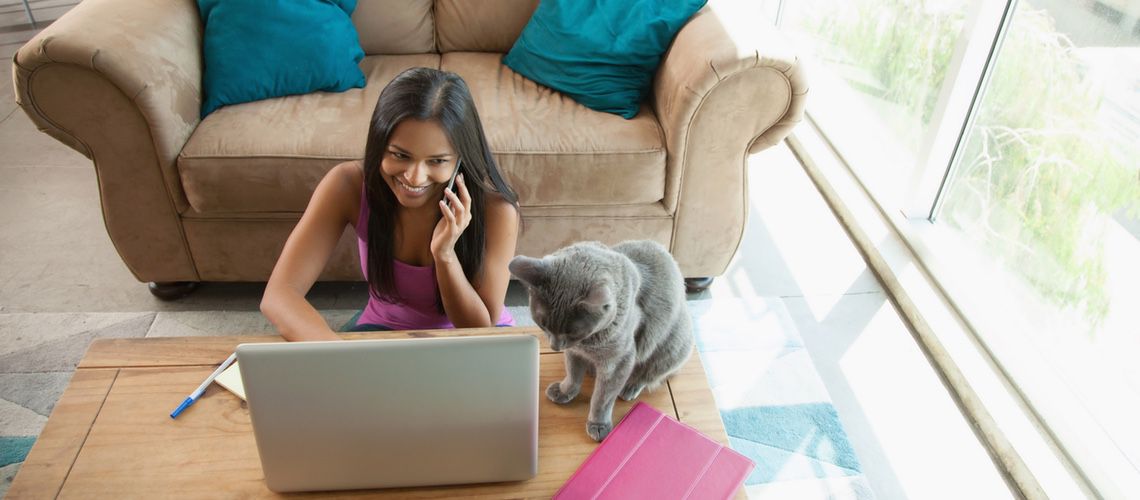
(729,86)
(120,82)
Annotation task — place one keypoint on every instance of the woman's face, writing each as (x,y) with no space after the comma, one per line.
(418,162)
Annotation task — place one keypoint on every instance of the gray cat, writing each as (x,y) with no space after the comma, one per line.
(618,313)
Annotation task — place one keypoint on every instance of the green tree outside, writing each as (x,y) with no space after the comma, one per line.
(1037,179)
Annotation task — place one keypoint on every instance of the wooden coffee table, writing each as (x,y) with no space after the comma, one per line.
(111,435)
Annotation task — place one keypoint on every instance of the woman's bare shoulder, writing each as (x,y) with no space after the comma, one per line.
(348,179)
(349,172)
(341,188)
(502,219)
(498,208)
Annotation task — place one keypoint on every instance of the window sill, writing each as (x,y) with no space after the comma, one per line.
(1005,425)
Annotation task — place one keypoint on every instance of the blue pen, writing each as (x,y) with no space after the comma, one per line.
(202,388)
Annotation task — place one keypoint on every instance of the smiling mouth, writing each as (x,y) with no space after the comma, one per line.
(414,191)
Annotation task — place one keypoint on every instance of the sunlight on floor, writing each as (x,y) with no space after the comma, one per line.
(740,282)
(813,245)
(902,424)
(878,368)
(822,305)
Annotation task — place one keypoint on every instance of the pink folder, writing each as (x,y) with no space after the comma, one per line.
(651,455)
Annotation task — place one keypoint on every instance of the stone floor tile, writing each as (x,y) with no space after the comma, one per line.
(55,255)
(7,107)
(15,23)
(25,145)
(7,94)
(8,49)
(19,29)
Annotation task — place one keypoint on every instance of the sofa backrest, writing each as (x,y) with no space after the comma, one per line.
(395,26)
(423,26)
(481,26)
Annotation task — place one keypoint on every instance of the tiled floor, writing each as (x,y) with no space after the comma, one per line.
(61,278)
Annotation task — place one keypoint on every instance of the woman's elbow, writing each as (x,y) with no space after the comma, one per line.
(266,306)
(270,308)
(477,322)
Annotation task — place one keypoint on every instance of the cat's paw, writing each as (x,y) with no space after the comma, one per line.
(599,430)
(630,392)
(554,393)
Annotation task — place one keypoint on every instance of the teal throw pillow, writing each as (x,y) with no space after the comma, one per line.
(602,53)
(257,49)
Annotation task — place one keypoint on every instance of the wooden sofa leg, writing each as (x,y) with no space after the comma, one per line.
(172,290)
(697,285)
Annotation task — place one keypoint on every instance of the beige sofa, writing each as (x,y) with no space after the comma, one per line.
(190,200)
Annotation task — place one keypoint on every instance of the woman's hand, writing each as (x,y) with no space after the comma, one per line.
(455,220)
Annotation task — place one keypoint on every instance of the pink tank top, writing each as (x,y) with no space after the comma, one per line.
(416,286)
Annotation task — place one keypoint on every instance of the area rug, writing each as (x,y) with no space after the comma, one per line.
(775,408)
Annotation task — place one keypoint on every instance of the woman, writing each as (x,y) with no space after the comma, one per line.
(433,258)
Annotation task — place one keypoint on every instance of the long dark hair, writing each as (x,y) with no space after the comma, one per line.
(441,96)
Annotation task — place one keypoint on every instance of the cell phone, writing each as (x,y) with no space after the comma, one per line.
(451,182)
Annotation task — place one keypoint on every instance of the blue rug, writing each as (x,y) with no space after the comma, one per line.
(775,408)
(14,449)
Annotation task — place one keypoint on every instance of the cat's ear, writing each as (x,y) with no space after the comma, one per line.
(598,299)
(528,270)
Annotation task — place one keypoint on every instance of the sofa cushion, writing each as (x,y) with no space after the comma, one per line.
(602,53)
(268,156)
(257,49)
(556,152)
(482,26)
(395,26)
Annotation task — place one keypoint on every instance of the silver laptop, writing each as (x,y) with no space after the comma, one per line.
(385,413)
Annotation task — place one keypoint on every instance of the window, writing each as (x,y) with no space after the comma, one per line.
(883,79)
(1045,195)
(1009,134)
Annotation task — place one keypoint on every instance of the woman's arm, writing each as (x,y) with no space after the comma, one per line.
(479,305)
(307,252)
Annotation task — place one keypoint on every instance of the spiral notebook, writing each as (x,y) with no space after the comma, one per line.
(651,455)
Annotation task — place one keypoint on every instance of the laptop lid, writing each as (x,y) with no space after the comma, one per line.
(387,413)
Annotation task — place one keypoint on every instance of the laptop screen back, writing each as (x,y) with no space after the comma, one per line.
(388,413)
